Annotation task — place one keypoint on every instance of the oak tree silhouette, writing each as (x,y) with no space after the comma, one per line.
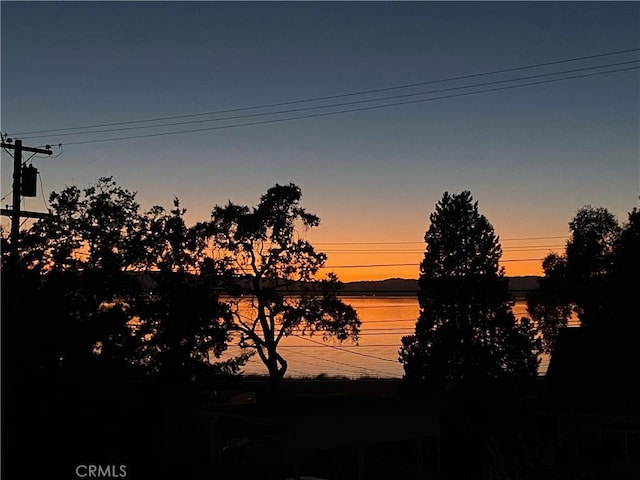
(92,262)
(273,287)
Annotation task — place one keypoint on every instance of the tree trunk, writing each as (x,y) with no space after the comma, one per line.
(277,370)
(275,378)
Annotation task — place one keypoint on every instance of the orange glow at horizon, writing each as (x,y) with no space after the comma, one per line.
(369,265)
(362,249)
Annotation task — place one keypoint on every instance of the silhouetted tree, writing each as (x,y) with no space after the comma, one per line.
(598,281)
(184,326)
(579,281)
(83,294)
(466,330)
(274,270)
(589,255)
(92,257)
(625,282)
(549,306)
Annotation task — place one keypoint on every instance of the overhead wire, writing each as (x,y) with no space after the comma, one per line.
(392,321)
(422,242)
(44,200)
(59,153)
(299,372)
(317,115)
(390,329)
(381,265)
(7,151)
(342,348)
(324,344)
(335,362)
(330,97)
(350,110)
(342,104)
(367,334)
(298,361)
(504,249)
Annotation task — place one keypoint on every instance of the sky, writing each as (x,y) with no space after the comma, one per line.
(531,155)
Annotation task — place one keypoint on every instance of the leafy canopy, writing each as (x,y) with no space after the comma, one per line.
(594,279)
(111,285)
(273,286)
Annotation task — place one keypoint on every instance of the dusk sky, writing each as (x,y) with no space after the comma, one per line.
(530,155)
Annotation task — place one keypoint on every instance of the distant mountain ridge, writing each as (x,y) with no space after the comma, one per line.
(519,286)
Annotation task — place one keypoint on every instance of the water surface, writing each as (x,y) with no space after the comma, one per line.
(385,320)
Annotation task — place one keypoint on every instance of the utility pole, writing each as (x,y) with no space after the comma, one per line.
(15,214)
(9,338)
(10,364)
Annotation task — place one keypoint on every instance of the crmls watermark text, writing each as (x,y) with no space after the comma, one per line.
(101,471)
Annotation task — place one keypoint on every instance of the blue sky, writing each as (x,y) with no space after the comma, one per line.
(531,156)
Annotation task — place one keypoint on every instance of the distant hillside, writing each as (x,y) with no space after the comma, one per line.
(519,286)
(390,286)
(406,287)
(522,285)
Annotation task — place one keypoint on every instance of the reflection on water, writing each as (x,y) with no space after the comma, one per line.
(385,320)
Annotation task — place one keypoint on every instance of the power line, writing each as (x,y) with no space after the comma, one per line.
(342,104)
(367,334)
(44,199)
(380,265)
(361,109)
(330,97)
(514,239)
(521,260)
(504,249)
(298,372)
(422,242)
(368,243)
(342,348)
(390,329)
(300,117)
(374,265)
(353,294)
(326,345)
(393,321)
(376,345)
(336,362)
(297,360)
(380,306)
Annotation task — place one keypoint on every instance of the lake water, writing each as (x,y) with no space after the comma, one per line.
(385,320)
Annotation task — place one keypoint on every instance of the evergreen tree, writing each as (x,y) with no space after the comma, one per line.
(466,330)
